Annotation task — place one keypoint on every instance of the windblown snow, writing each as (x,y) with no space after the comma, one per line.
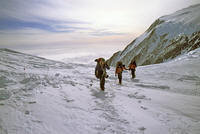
(40,96)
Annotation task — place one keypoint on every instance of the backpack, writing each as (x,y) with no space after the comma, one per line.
(119,70)
(119,67)
(132,66)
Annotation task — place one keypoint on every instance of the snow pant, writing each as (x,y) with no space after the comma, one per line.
(102,75)
(102,83)
(120,78)
(133,73)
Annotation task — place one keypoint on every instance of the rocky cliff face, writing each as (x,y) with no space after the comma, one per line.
(168,37)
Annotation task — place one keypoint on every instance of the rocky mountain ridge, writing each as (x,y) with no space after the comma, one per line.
(168,37)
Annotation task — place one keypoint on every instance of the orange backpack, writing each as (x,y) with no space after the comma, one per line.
(132,66)
(119,70)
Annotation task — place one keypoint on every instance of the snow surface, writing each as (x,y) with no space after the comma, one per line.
(191,15)
(40,96)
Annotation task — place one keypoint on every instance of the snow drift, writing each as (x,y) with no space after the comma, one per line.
(168,37)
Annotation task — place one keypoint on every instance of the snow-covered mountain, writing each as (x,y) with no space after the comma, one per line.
(168,37)
(40,96)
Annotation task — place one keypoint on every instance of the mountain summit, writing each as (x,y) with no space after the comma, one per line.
(168,37)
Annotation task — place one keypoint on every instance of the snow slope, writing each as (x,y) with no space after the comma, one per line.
(40,96)
(168,37)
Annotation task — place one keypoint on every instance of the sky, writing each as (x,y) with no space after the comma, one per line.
(36,25)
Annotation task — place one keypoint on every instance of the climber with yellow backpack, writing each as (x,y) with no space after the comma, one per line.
(100,71)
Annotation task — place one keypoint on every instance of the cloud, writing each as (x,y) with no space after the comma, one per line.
(24,22)
(46,15)
(36,14)
(8,23)
(105,32)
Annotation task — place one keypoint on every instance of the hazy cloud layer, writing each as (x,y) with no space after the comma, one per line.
(40,22)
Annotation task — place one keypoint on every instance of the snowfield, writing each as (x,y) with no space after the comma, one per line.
(40,96)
